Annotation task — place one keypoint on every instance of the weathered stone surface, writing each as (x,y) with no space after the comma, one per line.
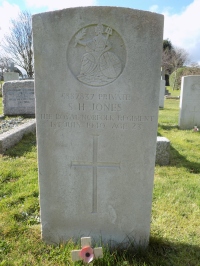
(189,115)
(19,98)
(97,121)
(10,138)
(162,151)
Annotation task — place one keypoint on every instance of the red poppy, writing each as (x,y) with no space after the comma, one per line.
(87,254)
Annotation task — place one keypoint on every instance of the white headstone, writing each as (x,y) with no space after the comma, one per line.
(189,115)
(8,76)
(162,93)
(97,121)
(19,98)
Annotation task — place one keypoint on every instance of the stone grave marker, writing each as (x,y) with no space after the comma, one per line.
(189,114)
(162,151)
(8,76)
(11,68)
(97,121)
(19,98)
(162,93)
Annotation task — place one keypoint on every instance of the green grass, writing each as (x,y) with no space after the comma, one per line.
(175,225)
(173,92)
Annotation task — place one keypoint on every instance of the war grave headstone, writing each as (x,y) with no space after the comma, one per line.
(19,98)
(162,94)
(97,121)
(189,114)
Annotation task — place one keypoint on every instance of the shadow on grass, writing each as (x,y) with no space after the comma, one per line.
(178,160)
(27,144)
(162,252)
(159,253)
(167,127)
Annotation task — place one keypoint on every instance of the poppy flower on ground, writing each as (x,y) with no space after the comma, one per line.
(87,254)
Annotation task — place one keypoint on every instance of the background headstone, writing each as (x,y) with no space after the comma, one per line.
(19,98)
(97,121)
(162,73)
(8,76)
(162,151)
(162,94)
(167,92)
(11,67)
(189,115)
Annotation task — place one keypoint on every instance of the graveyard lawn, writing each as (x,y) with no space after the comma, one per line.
(175,231)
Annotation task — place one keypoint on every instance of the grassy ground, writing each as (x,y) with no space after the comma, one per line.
(175,230)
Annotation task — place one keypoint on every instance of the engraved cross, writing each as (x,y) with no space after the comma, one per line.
(94,165)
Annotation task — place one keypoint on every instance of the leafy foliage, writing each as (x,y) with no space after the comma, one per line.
(167,45)
(175,77)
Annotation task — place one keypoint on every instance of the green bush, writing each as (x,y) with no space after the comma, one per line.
(179,73)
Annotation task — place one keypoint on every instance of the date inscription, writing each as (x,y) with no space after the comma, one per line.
(96,111)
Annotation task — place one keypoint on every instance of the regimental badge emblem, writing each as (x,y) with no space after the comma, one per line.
(96,55)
